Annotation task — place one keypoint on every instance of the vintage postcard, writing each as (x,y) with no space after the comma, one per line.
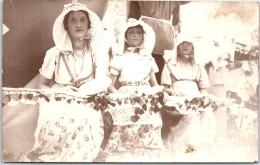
(130,81)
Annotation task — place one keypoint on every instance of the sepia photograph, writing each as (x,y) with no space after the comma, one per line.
(129,81)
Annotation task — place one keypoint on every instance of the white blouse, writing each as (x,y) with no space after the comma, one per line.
(54,67)
(133,67)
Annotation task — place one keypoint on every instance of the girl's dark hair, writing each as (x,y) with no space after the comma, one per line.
(66,18)
(137,26)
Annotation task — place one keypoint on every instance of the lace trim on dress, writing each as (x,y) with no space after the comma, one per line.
(135,83)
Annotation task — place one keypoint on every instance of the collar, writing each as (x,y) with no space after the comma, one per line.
(132,49)
(86,49)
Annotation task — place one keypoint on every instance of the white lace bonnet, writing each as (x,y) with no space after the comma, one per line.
(147,45)
(61,37)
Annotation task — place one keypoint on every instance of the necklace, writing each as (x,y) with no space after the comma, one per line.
(78,62)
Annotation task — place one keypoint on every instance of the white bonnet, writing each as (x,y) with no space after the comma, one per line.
(147,45)
(61,37)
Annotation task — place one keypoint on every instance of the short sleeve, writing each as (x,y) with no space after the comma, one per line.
(116,65)
(48,67)
(154,66)
(166,76)
(203,78)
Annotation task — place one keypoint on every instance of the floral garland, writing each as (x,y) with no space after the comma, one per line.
(156,103)
(12,96)
(102,101)
(186,105)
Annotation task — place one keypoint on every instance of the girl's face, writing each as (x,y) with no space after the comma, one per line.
(185,48)
(134,36)
(77,24)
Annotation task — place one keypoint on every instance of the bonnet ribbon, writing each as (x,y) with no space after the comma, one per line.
(74,79)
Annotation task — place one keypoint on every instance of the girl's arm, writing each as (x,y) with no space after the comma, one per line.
(153,80)
(43,83)
(167,89)
(203,83)
(112,88)
(203,91)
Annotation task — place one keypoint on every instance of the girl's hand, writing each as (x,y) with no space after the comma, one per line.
(71,89)
(67,89)
(177,93)
(112,88)
(167,89)
(156,89)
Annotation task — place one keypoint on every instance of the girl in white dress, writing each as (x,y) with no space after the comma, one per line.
(183,76)
(133,134)
(133,66)
(68,131)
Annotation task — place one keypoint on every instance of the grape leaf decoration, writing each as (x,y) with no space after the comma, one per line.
(135,118)
(69,101)
(139,111)
(29,96)
(6,99)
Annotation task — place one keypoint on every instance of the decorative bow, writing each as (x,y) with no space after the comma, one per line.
(73,3)
(88,36)
(133,20)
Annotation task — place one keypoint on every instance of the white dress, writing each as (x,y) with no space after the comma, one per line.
(133,71)
(69,131)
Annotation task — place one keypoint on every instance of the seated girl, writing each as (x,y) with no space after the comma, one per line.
(67,131)
(183,76)
(133,66)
